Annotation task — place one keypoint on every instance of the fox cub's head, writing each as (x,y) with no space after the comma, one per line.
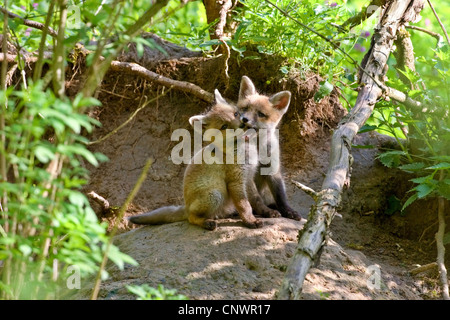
(259,111)
(221,116)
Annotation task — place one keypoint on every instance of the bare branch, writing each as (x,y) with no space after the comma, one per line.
(29,23)
(439,21)
(435,35)
(134,68)
(313,194)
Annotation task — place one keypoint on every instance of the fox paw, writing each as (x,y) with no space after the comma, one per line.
(210,224)
(291,214)
(254,225)
(270,213)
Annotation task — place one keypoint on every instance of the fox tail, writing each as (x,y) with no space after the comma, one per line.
(162,215)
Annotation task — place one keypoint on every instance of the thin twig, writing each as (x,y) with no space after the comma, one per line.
(439,21)
(29,23)
(128,120)
(435,35)
(313,194)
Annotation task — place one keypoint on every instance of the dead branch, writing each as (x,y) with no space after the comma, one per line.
(423,268)
(29,23)
(100,200)
(314,234)
(134,68)
(313,194)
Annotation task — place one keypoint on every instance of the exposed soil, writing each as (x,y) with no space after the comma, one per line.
(234,262)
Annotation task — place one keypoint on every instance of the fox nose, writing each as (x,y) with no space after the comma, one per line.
(244,120)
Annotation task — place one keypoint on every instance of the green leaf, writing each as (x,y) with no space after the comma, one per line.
(423,190)
(214,42)
(409,201)
(367,128)
(443,190)
(80,150)
(391,158)
(421,179)
(413,166)
(324,90)
(440,166)
(77,198)
(43,153)
(120,258)
(25,249)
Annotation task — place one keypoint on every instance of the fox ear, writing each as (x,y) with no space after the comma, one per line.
(201,118)
(219,98)
(247,88)
(281,100)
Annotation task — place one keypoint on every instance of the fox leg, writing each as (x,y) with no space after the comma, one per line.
(238,195)
(258,204)
(202,221)
(278,190)
(203,209)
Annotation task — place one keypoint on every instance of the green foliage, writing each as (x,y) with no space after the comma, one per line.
(145,292)
(429,129)
(46,218)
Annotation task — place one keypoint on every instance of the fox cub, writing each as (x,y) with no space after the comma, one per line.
(259,111)
(216,189)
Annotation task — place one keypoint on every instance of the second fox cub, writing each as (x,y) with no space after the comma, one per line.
(263,112)
(212,190)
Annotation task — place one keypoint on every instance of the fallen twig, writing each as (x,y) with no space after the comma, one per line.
(423,268)
(100,200)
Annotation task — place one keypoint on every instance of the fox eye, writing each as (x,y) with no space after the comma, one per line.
(224,127)
(236,114)
(261,115)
